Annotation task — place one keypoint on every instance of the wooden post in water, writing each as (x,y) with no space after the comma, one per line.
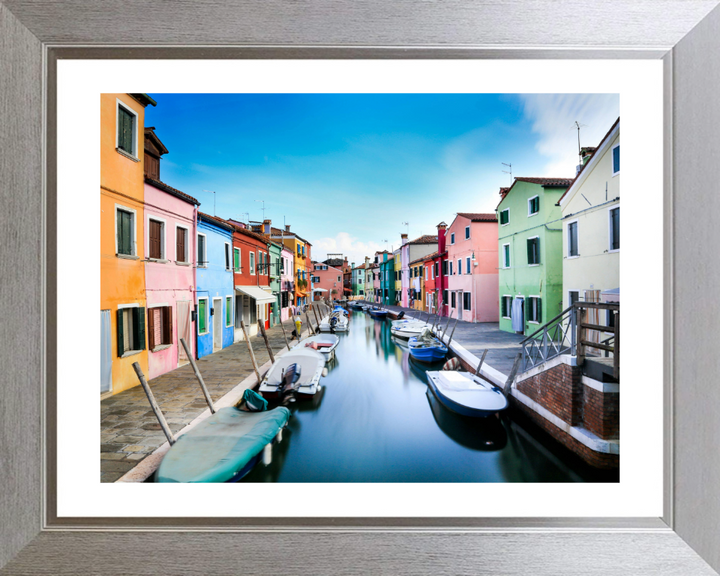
(453,331)
(250,349)
(154,404)
(284,334)
(314,309)
(511,379)
(267,344)
(477,372)
(208,399)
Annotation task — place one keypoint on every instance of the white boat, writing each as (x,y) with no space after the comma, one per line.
(466,394)
(310,363)
(323,343)
(336,322)
(407,329)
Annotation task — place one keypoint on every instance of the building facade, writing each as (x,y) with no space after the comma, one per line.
(410,251)
(287,282)
(474,253)
(328,282)
(417,284)
(530,253)
(387,280)
(358,281)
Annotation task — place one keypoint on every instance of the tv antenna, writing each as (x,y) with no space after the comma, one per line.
(213,193)
(578,126)
(246,214)
(508,171)
(408,228)
(263,208)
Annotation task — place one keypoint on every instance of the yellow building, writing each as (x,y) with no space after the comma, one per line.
(122,270)
(301,256)
(417,283)
(397,260)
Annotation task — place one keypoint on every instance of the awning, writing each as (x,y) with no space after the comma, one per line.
(319,290)
(255,292)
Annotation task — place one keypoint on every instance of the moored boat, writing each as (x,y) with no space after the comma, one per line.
(309,364)
(323,343)
(336,322)
(407,329)
(426,348)
(466,394)
(378,313)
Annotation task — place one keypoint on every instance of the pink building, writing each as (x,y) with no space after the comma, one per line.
(409,252)
(170,246)
(287,283)
(326,280)
(471,243)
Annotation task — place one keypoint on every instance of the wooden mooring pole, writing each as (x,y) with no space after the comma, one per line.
(267,343)
(314,309)
(511,379)
(482,359)
(154,404)
(284,334)
(250,349)
(208,399)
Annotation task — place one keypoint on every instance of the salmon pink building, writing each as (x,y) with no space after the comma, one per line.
(327,281)
(472,256)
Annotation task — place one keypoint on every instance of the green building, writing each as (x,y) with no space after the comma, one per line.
(530,250)
(387,280)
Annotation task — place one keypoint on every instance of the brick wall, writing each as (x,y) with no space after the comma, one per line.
(559,390)
(601,413)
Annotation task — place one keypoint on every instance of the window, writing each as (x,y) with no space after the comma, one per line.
(426,272)
(285,299)
(339,279)
(449,263)
(445,296)
(504,217)
(572,239)
(228,311)
(130,330)
(452,238)
(467,265)
(533,251)
(125,231)
(467,232)
(534,309)
(466,300)
(202,318)
(181,244)
(445,267)
(616,160)
(236,259)
(506,255)
(126,130)
(452,299)
(506,306)
(227,256)
(436,266)
(160,328)
(459,266)
(573,296)
(155,239)
(533,205)
(201,251)
(252,263)
(610,318)
(615,229)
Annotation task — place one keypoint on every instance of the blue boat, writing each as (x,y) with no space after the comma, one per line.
(378,313)
(466,394)
(340,309)
(427,348)
(222,448)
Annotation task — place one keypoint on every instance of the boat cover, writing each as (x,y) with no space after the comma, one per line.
(254,401)
(221,446)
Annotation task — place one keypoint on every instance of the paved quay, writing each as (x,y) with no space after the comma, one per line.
(502,346)
(129,428)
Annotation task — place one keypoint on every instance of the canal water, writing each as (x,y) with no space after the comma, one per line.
(376,420)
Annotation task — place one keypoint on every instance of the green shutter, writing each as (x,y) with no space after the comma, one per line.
(202,320)
(236,255)
(228,310)
(529,251)
(124,232)
(125,130)
(139,328)
(120,334)
(539,310)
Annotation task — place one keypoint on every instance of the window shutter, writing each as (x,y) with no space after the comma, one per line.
(125,232)
(139,321)
(168,326)
(152,327)
(120,333)
(539,309)
(529,251)
(180,245)
(155,242)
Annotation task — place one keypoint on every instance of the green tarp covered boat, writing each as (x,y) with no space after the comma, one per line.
(222,448)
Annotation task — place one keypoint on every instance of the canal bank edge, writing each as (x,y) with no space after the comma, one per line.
(590,402)
(148,465)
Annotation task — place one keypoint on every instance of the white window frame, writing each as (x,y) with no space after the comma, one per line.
(530,307)
(509,263)
(467,232)
(508,219)
(232,311)
(450,266)
(228,257)
(612,160)
(163,233)
(509,308)
(530,214)
(134,255)
(610,230)
(207,316)
(252,262)
(136,124)
(532,238)
(567,238)
(186,261)
(452,237)
(569,299)
(197,245)
(134,350)
(426,272)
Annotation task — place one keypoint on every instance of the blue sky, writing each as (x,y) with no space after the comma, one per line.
(346,170)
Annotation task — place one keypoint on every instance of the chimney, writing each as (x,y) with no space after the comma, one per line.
(585,153)
(266,227)
(154,149)
(404,238)
(287,227)
(441,236)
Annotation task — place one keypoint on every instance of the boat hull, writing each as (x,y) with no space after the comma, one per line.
(465,394)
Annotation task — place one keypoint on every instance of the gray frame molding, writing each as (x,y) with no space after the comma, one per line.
(34,33)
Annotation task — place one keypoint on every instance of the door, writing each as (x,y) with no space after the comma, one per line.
(517,315)
(238,316)
(105,352)
(217,320)
(184,330)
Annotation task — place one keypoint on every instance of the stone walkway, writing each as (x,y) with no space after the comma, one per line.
(475,337)
(129,429)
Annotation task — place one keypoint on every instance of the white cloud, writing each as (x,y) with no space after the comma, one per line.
(553,119)
(345,244)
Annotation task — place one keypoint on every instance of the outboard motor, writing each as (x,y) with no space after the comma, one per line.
(289,384)
(333,323)
(401,314)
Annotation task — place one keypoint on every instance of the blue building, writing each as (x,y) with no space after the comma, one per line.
(215,289)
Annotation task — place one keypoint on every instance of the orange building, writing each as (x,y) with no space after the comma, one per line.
(122,270)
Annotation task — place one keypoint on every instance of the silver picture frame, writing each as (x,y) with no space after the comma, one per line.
(684,34)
